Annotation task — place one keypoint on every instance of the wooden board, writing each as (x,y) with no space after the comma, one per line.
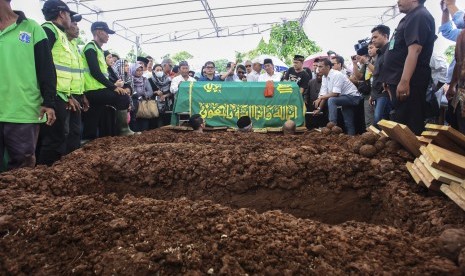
(447,158)
(428,157)
(403,135)
(439,175)
(440,139)
(453,196)
(414,175)
(425,178)
(450,132)
(374,130)
(424,141)
(428,176)
(274,129)
(301,129)
(458,189)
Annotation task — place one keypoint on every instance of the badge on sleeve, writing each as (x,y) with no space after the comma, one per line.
(393,41)
(25,37)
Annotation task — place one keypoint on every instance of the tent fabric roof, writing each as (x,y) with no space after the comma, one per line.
(155,21)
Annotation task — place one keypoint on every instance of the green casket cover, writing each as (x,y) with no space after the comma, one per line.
(223,103)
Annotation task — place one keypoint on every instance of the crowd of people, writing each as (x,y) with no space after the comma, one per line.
(74,95)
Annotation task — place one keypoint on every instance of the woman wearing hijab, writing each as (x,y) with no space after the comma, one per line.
(141,91)
(120,71)
(160,84)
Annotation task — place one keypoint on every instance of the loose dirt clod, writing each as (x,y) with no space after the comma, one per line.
(336,130)
(380,145)
(330,125)
(326,131)
(368,138)
(368,151)
(392,146)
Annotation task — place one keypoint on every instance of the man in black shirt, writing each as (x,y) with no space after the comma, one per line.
(406,67)
(319,119)
(298,74)
(100,91)
(379,97)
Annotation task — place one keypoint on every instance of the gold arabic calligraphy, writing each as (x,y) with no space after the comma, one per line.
(257,112)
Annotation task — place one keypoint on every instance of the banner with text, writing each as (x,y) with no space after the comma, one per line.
(223,103)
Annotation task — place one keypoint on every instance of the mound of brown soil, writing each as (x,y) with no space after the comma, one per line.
(222,203)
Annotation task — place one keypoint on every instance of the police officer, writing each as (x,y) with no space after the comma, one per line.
(53,138)
(99,90)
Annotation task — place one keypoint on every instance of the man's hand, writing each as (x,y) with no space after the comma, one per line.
(119,83)
(403,90)
(363,60)
(450,92)
(371,101)
(317,102)
(85,104)
(50,115)
(73,105)
(120,90)
(444,7)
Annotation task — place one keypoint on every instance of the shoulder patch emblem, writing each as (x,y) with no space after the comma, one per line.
(25,37)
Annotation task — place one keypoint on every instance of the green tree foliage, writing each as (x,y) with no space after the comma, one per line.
(220,64)
(450,53)
(286,40)
(183,55)
(132,56)
(240,57)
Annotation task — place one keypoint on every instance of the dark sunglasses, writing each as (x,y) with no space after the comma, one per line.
(248,66)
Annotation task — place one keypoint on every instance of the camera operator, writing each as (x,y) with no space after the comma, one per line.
(362,77)
(380,98)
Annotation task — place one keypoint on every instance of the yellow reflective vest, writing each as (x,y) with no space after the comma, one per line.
(77,83)
(64,59)
(90,82)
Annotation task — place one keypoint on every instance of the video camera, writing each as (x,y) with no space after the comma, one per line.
(362,46)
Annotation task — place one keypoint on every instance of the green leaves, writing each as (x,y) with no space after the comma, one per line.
(286,40)
(181,56)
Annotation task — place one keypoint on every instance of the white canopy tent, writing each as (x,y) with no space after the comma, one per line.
(148,22)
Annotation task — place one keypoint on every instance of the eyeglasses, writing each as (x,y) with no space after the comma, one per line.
(248,66)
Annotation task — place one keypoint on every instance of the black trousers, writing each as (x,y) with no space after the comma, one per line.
(73,140)
(410,112)
(98,99)
(19,141)
(53,138)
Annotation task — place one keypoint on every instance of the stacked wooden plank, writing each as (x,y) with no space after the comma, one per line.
(403,135)
(440,157)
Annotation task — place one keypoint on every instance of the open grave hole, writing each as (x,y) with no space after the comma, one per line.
(307,182)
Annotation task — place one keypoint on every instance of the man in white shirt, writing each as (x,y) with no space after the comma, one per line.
(338,64)
(255,74)
(338,90)
(184,76)
(269,74)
